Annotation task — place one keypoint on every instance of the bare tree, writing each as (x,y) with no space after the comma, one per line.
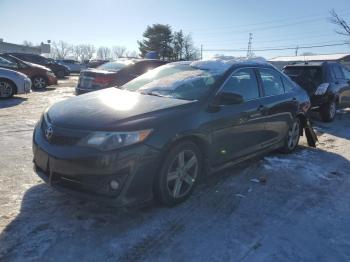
(104,52)
(190,52)
(337,20)
(131,54)
(28,43)
(83,52)
(118,51)
(61,49)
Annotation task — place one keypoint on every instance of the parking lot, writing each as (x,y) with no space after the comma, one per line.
(281,207)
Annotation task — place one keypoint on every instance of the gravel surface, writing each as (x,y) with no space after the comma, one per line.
(277,208)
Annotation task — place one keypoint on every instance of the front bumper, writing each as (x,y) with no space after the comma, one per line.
(87,173)
(51,80)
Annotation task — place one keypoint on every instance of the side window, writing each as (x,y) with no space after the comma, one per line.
(244,83)
(288,85)
(346,73)
(272,82)
(7,63)
(337,72)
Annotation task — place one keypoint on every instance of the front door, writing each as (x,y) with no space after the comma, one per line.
(238,130)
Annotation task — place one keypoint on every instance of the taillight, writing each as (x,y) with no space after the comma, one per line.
(321,89)
(103,80)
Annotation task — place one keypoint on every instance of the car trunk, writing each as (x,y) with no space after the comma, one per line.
(96,79)
(308,77)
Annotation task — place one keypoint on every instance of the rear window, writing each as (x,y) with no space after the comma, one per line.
(116,65)
(308,77)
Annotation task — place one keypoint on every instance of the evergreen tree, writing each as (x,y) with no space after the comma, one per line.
(157,38)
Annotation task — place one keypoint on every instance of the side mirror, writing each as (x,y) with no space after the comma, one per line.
(226,98)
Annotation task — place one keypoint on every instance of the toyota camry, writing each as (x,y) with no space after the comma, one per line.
(158,134)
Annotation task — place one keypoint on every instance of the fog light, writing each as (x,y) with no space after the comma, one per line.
(114,184)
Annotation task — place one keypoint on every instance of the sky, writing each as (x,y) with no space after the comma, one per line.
(218,25)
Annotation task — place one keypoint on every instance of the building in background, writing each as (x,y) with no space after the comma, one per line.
(282,61)
(15,48)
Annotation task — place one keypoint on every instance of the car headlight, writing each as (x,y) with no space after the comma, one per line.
(322,88)
(106,141)
(50,73)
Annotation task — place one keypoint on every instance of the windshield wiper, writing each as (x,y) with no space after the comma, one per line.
(151,94)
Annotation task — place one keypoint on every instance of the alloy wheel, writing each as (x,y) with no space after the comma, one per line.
(182,173)
(332,110)
(39,82)
(293,135)
(6,89)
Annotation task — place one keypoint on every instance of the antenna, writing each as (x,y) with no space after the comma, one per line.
(249,51)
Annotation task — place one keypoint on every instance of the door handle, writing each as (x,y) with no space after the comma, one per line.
(263,109)
(294,99)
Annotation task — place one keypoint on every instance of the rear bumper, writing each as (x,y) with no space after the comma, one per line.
(80,91)
(87,173)
(318,101)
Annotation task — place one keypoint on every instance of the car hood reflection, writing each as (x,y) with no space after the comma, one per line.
(104,109)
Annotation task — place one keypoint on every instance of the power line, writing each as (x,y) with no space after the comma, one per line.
(274,48)
(293,19)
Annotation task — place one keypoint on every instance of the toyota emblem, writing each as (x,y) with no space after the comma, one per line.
(49,132)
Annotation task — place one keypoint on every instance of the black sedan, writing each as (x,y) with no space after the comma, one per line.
(157,135)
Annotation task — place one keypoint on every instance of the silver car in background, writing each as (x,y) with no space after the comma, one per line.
(12,82)
(73,65)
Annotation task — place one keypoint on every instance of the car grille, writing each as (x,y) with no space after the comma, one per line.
(62,136)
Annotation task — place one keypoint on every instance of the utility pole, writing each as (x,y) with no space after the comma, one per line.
(201,52)
(296,50)
(249,51)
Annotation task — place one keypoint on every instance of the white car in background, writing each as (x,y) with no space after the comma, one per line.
(12,82)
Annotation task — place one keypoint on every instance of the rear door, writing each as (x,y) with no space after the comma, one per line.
(238,130)
(342,85)
(280,105)
(346,93)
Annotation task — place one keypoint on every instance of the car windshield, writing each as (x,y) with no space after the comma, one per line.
(178,80)
(308,77)
(115,65)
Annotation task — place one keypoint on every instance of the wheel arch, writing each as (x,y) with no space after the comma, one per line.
(11,81)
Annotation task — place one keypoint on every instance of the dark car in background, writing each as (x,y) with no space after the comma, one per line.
(59,70)
(157,134)
(41,76)
(327,83)
(93,63)
(114,73)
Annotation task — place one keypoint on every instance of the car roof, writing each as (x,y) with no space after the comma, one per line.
(306,64)
(225,65)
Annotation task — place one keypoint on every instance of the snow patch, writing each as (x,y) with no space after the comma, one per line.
(221,63)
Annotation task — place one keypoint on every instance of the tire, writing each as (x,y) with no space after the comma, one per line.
(39,82)
(7,88)
(178,174)
(60,74)
(328,111)
(292,138)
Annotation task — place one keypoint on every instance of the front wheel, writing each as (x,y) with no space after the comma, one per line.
(293,137)
(39,82)
(179,174)
(60,74)
(7,89)
(328,111)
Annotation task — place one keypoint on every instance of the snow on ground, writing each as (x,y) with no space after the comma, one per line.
(298,211)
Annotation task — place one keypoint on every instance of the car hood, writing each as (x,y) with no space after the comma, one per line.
(38,66)
(108,108)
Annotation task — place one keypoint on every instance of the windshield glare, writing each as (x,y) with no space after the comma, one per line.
(180,81)
(115,65)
